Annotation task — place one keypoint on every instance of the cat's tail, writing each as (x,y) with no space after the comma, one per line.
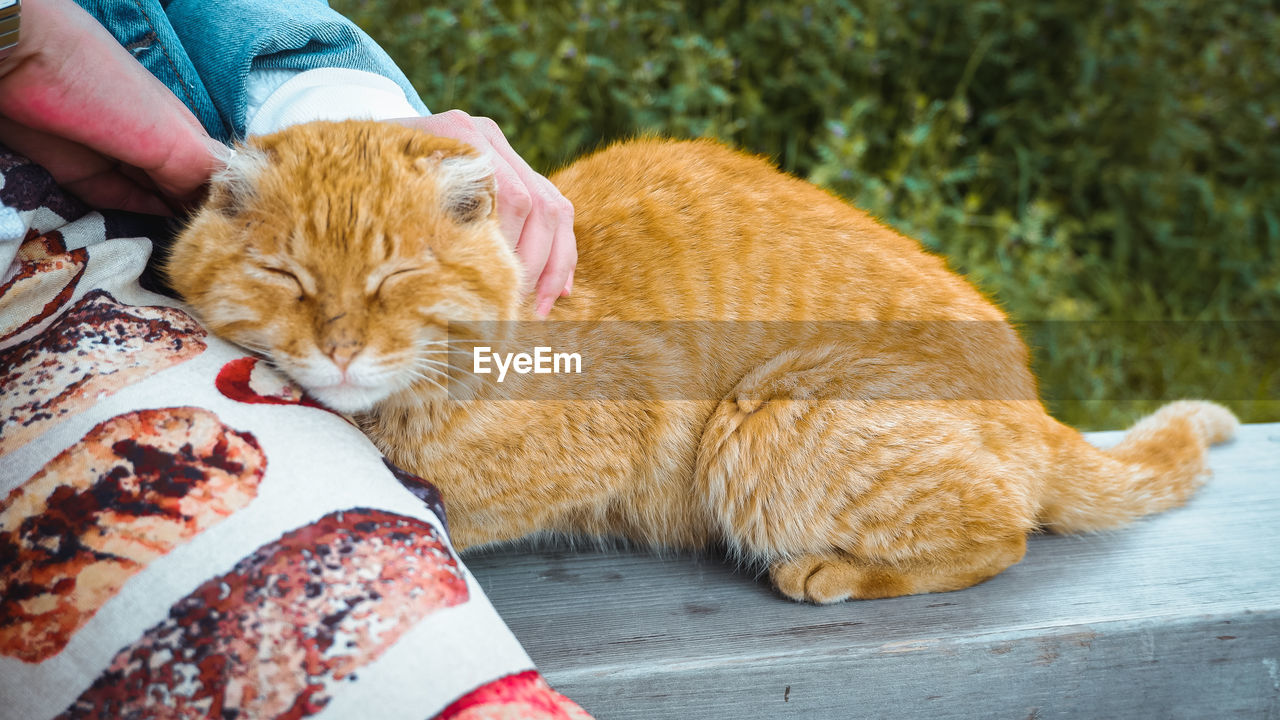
(1157,466)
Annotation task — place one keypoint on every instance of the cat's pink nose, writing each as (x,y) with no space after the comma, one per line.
(343,354)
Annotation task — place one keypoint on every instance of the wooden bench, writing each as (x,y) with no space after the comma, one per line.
(1176,616)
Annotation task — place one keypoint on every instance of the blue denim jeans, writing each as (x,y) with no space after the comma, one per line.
(203,51)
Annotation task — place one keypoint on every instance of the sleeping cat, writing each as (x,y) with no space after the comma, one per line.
(821,395)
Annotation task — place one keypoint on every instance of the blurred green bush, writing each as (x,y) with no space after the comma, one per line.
(1088,164)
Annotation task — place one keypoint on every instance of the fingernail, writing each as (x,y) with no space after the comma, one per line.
(544,307)
(218,150)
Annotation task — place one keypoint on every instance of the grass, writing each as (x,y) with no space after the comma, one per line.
(1109,172)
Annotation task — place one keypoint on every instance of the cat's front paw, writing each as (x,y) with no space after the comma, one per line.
(834,577)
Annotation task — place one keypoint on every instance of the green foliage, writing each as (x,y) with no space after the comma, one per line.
(1086,163)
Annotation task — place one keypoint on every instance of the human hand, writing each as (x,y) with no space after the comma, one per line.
(75,102)
(535,217)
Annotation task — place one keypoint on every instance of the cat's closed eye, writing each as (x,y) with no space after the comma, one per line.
(282,276)
(387,279)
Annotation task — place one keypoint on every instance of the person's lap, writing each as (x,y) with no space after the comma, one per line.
(183,534)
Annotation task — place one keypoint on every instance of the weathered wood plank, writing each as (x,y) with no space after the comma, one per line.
(1177,616)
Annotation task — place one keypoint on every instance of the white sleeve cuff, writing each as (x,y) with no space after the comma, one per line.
(280,98)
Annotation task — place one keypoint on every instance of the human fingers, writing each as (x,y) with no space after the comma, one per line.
(534,216)
(97,180)
(557,276)
(547,244)
(514,201)
(114,189)
(70,79)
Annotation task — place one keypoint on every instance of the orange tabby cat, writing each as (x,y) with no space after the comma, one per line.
(822,395)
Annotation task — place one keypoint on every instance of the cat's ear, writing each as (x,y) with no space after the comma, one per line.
(466,184)
(237,183)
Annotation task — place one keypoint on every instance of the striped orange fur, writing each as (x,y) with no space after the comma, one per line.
(875,433)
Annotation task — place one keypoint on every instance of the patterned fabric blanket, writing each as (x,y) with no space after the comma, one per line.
(184,534)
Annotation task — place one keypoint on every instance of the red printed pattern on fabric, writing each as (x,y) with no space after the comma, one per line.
(47,276)
(273,636)
(97,348)
(246,380)
(523,696)
(131,490)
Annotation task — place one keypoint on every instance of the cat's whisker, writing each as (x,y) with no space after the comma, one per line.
(265,355)
(429,378)
(450,367)
(450,341)
(444,352)
(433,382)
(254,347)
(427,373)
(440,357)
(422,372)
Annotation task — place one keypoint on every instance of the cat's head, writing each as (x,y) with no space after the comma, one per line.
(344,250)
